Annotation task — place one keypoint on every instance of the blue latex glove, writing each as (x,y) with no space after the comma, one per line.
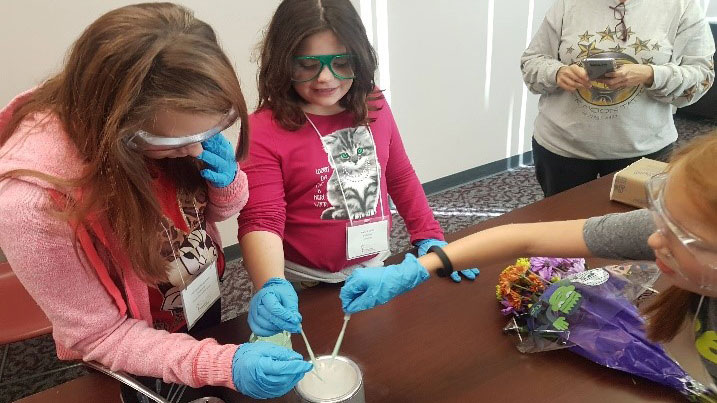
(423,246)
(274,308)
(221,164)
(367,287)
(264,370)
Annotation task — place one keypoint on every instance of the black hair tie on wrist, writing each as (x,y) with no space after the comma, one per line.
(447,268)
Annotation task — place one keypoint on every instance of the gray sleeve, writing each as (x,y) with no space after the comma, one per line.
(691,71)
(539,62)
(620,236)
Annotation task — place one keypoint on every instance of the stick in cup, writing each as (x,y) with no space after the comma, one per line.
(311,353)
(341,336)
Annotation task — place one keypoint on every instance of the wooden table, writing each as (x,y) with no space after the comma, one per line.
(443,342)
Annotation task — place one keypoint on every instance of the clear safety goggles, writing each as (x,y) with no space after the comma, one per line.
(705,254)
(145,141)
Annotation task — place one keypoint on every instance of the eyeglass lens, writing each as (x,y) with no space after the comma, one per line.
(619,14)
(342,67)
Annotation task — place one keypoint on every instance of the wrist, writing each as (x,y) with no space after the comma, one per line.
(557,72)
(275,281)
(410,264)
(417,270)
(649,75)
(446,267)
(430,262)
(420,242)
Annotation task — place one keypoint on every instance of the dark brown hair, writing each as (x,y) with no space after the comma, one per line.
(294,21)
(126,66)
(698,160)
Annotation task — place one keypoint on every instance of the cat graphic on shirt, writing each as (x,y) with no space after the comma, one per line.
(352,155)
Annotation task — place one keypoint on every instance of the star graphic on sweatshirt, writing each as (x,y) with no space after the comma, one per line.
(588,49)
(585,37)
(689,93)
(648,60)
(618,49)
(570,50)
(607,34)
(706,84)
(640,45)
(656,46)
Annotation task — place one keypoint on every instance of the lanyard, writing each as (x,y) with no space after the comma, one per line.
(341,186)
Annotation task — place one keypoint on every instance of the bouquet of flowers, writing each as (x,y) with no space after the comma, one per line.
(520,285)
(557,303)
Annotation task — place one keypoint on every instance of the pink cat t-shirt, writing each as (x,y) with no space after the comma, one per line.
(303,187)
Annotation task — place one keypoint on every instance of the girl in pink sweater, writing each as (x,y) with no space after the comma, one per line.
(325,156)
(112,176)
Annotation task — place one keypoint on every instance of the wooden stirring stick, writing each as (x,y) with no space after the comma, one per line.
(311,354)
(341,337)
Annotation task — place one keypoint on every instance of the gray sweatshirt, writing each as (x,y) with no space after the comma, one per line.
(671,35)
(624,236)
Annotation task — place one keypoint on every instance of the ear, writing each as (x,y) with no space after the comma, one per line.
(328,142)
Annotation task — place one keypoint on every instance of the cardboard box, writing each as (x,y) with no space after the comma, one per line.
(628,184)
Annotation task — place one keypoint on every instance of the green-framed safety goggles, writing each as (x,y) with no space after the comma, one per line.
(307,68)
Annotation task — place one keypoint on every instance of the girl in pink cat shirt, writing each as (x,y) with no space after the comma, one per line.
(325,155)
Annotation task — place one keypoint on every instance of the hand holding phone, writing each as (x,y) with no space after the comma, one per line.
(598,67)
(572,77)
(630,75)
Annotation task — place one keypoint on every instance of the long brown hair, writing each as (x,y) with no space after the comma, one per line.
(698,160)
(127,65)
(294,21)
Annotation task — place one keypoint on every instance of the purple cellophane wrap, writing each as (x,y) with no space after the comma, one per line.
(604,326)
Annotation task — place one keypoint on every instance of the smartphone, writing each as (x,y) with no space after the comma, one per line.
(597,68)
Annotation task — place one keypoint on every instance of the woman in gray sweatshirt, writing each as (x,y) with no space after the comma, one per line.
(587,128)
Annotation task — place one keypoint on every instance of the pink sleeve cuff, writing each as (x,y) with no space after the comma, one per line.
(435,234)
(213,365)
(232,197)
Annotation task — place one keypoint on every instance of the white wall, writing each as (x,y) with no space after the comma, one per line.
(37,33)
(455,84)
(710,7)
(438,82)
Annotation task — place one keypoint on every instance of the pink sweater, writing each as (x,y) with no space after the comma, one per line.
(294,192)
(90,319)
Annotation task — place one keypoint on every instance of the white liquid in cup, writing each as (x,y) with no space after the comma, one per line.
(339,377)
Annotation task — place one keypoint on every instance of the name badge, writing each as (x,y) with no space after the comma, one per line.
(201,294)
(368,238)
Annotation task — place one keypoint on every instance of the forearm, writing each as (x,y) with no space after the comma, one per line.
(680,85)
(649,73)
(136,348)
(558,238)
(540,61)
(540,74)
(263,254)
(690,72)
